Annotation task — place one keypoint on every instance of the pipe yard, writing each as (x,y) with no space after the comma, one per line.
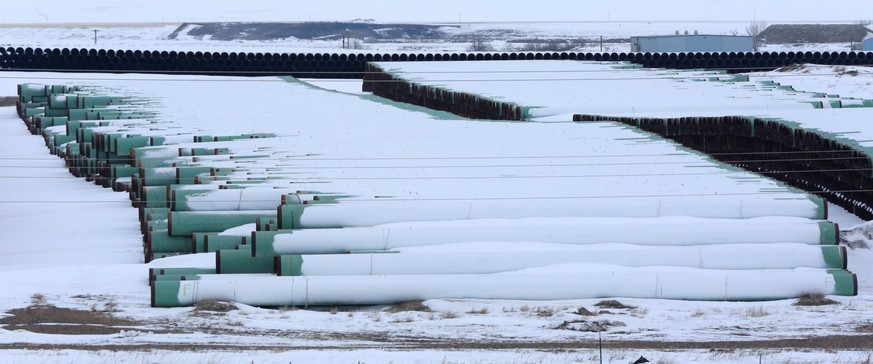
(571,196)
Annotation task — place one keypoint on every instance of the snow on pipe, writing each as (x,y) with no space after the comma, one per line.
(670,230)
(175,273)
(564,282)
(199,198)
(773,137)
(185,223)
(357,214)
(502,257)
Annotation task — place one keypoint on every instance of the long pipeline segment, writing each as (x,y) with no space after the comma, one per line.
(372,213)
(574,281)
(482,258)
(655,231)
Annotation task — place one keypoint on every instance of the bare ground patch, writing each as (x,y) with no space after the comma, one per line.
(41,317)
(8,100)
(403,343)
(48,319)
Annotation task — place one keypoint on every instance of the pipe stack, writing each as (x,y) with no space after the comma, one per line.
(197,192)
(353,65)
(800,157)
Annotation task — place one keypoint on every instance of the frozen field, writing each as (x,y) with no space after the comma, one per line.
(72,251)
(86,256)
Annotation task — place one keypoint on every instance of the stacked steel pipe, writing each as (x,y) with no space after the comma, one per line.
(802,158)
(279,246)
(384,84)
(352,65)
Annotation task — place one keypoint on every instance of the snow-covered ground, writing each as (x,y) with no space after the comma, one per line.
(500,37)
(81,250)
(71,244)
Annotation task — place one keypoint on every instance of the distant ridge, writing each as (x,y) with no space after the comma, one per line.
(813,33)
(307,30)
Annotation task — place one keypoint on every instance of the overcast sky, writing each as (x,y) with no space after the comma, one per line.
(771,11)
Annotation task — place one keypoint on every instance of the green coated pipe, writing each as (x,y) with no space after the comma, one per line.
(158,176)
(183,223)
(186,175)
(34,111)
(174,277)
(835,256)
(846,282)
(154,196)
(166,293)
(215,242)
(288,265)
(122,146)
(122,171)
(262,242)
(161,242)
(176,272)
(55,112)
(830,233)
(154,212)
(29,90)
(180,271)
(184,152)
(43,122)
(58,140)
(289,216)
(158,224)
(162,255)
(181,193)
(241,261)
(261,224)
(83,135)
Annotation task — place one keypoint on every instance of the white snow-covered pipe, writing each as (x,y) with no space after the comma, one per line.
(372,213)
(503,257)
(199,198)
(669,230)
(561,282)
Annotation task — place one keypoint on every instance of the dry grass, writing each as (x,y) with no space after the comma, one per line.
(407,319)
(866,328)
(214,306)
(613,304)
(544,311)
(8,100)
(757,312)
(38,299)
(409,306)
(814,300)
(481,311)
(376,316)
(639,312)
(448,315)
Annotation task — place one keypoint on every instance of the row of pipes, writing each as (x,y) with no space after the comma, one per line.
(353,65)
(842,172)
(277,246)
